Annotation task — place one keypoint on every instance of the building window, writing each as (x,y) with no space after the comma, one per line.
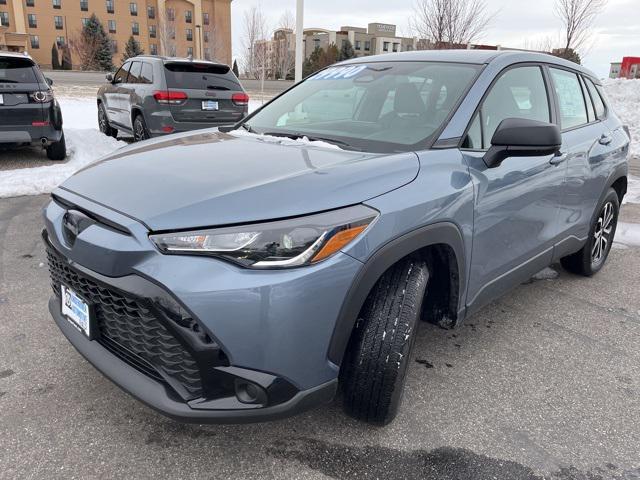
(151,12)
(189,51)
(171,14)
(385,46)
(153,49)
(206,36)
(152,31)
(109,4)
(84,5)
(4,19)
(60,41)
(207,53)
(133,9)
(3,2)
(31,3)
(33,21)
(358,45)
(316,43)
(57,4)
(409,48)
(205,18)
(367,46)
(114,46)
(57,21)
(188,16)
(35,41)
(85,21)
(135,28)
(112,26)
(396,47)
(189,34)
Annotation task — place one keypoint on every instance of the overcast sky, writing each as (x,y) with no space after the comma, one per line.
(517,23)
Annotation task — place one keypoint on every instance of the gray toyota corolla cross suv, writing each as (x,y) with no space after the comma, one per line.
(151,96)
(29,114)
(241,274)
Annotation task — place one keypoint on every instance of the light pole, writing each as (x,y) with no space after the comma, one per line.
(299,40)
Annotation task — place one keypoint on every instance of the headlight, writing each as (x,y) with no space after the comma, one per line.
(279,244)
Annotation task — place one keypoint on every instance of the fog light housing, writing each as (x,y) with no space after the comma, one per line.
(248,392)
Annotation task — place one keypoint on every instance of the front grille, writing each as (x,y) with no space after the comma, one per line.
(129,329)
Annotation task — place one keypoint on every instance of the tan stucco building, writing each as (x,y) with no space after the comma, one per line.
(201,28)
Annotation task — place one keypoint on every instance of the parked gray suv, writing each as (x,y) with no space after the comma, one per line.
(240,274)
(150,96)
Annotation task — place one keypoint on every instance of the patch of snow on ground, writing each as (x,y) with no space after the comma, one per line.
(546,274)
(633,190)
(624,96)
(304,141)
(628,234)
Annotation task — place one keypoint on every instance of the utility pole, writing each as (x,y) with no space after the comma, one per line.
(299,39)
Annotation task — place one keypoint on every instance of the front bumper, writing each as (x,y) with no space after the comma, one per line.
(270,328)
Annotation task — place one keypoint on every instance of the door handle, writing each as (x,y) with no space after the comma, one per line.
(558,158)
(605,139)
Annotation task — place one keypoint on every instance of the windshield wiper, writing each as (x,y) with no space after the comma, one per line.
(248,128)
(312,138)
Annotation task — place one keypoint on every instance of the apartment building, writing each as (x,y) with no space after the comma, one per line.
(201,28)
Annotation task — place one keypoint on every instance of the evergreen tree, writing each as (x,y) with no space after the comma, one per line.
(331,56)
(94,35)
(347,52)
(55,59)
(235,69)
(66,58)
(131,49)
(312,64)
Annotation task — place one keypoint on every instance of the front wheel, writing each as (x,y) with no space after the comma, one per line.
(592,256)
(375,365)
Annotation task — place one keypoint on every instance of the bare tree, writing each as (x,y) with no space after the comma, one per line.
(284,53)
(449,23)
(86,50)
(255,43)
(167,32)
(211,46)
(577,17)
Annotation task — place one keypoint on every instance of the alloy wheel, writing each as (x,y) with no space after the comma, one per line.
(102,120)
(138,133)
(602,234)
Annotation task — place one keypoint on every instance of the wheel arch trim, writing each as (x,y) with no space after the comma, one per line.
(445,233)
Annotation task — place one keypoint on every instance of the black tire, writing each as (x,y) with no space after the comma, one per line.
(592,256)
(103,123)
(140,131)
(374,368)
(57,150)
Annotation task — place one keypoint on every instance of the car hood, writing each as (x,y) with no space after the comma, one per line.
(209,178)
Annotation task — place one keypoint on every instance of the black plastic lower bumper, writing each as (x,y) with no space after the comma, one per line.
(162,399)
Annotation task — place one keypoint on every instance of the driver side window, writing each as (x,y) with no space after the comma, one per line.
(121,75)
(519,93)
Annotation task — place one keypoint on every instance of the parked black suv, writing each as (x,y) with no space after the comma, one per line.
(29,115)
(150,96)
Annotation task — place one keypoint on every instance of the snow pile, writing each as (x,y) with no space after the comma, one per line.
(85,144)
(304,141)
(628,234)
(624,96)
(546,274)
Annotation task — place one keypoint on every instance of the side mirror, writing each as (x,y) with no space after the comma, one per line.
(109,77)
(521,137)
(49,81)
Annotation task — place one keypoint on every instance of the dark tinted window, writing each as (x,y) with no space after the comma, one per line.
(601,110)
(147,74)
(121,75)
(135,72)
(200,76)
(573,110)
(17,70)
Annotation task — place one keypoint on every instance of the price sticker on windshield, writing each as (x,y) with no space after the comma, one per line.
(340,73)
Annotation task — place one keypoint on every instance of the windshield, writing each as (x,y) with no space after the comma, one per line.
(379,107)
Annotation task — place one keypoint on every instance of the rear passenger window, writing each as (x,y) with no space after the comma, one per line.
(147,74)
(519,93)
(135,72)
(601,110)
(573,110)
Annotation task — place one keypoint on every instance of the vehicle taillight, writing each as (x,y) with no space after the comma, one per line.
(169,97)
(43,96)
(240,99)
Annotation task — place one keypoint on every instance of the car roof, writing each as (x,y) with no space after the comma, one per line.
(4,53)
(477,57)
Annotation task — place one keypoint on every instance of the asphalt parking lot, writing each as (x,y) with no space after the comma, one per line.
(544,383)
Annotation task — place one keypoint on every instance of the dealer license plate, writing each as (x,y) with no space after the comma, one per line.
(209,105)
(76,310)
